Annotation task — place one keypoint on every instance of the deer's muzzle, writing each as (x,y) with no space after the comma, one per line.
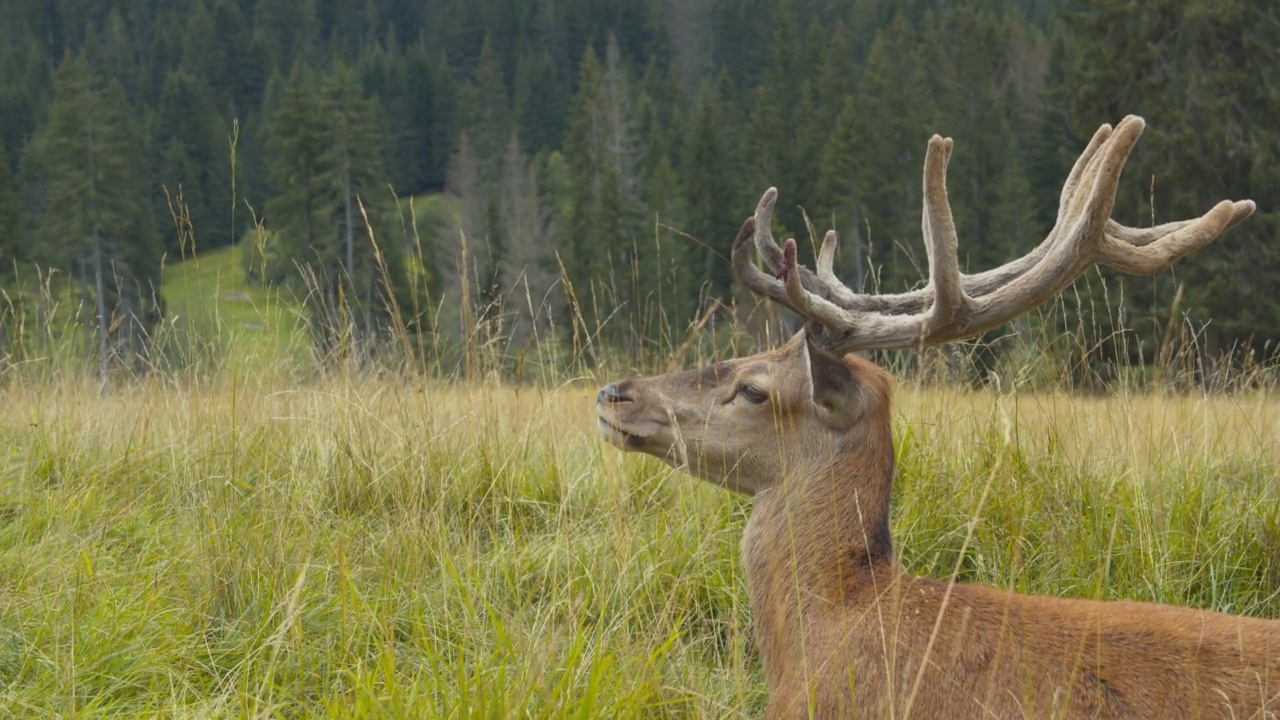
(622,419)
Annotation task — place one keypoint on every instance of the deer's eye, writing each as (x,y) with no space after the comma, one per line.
(752,394)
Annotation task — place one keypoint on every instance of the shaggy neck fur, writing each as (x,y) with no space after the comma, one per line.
(818,540)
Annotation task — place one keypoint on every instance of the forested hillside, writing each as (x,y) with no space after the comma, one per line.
(600,154)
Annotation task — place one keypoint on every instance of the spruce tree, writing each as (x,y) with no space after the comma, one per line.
(354,168)
(11,245)
(837,201)
(892,126)
(305,196)
(710,198)
(487,113)
(528,269)
(97,218)
(540,102)
(584,257)
(423,111)
(192,162)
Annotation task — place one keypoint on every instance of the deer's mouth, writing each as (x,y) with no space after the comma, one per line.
(621,437)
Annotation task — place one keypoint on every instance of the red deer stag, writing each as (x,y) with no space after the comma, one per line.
(841,629)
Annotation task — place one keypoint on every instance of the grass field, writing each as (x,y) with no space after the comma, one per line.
(208,298)
(415,549)
(214,319)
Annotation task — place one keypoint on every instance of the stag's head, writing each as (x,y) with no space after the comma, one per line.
(741,423)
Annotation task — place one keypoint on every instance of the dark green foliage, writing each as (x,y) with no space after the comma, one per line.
(10,222)
(304,196)
(891,153)
(540,102)
(608,224)
(95,220)
(193,161)
(712,200)
(1200,74)
(575,133)
(836,200)
(326,159)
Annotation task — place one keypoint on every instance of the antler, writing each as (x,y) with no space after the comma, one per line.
(953,304)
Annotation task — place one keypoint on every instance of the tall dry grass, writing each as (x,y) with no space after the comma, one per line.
(366,547)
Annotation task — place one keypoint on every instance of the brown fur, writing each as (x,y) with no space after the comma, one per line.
(842,631)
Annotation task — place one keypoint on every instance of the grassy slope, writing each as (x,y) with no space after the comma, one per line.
(419,550)
(212,316)
(208,297)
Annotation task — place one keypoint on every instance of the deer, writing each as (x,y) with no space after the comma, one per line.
(841,630)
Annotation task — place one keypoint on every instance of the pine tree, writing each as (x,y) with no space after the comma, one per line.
(113,53)
(291,31)
(301,208)
(487,113)
(11,246)
(423,110)
(837,78)
(1015,227)
(969,51)
(528,269)
(892,127)
(739,34)
(786,131)
(97,218)
(669,268)
(238,61)
(540,102)
(608,221)
(837,200)
(584,257)
(708,175)
(185,128)
(353,164)
(475,175)
(660,116)
(1014,219)
(777,99)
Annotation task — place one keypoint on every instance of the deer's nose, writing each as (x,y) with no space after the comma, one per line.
(611,394)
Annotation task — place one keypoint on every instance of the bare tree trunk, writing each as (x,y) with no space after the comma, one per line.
(84,311)
(859,273)
(369,300)
(351,238)
(352,294)
(102,310)
(4,332)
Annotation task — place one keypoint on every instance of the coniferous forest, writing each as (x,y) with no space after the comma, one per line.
(564,170)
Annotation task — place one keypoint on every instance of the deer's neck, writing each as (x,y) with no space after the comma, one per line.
(815,540)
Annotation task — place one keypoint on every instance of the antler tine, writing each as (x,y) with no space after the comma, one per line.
(765,244)
(1162,252)
(751,275)
(824,319)
(1143,236)
(941,245)
(827,257)
(1078,170)
(954,305)
(832,318)
(1146,236)
(824,283)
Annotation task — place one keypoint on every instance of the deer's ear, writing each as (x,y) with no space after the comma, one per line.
(832,386)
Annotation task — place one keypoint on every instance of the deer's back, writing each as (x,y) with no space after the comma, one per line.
(998,654)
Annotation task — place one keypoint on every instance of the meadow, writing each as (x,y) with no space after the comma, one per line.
(363,545)
(422,549)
